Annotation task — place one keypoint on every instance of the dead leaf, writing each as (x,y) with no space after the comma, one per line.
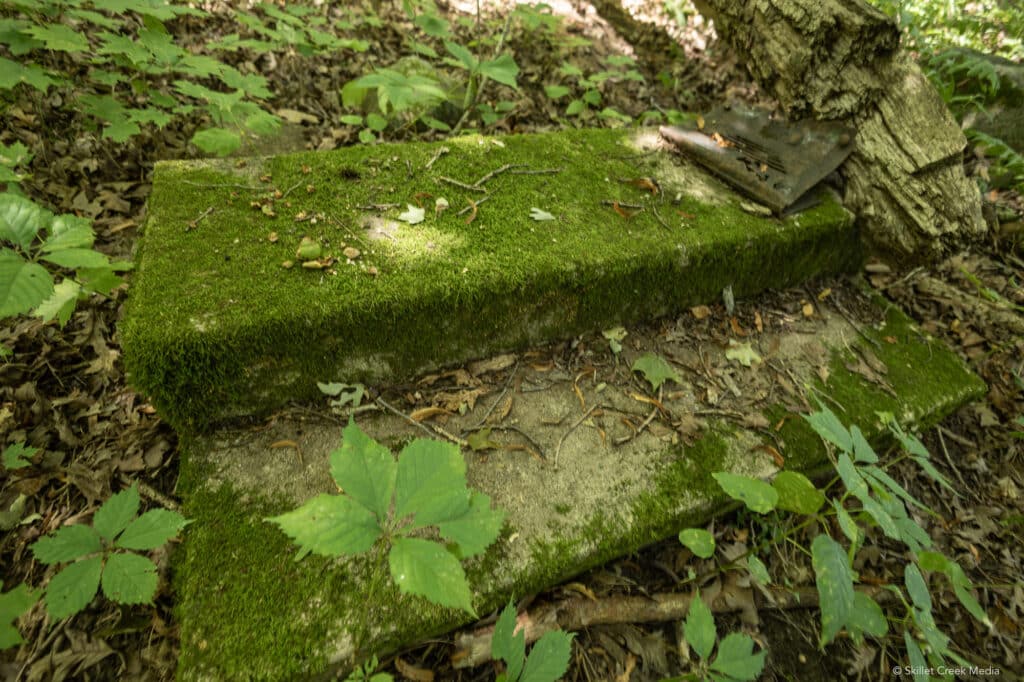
(425,413)
(737,329)
(758,322)
(295,116)
(700,312)
(630,666)
(284,444)
(808,309)
(495,364)
(409,671)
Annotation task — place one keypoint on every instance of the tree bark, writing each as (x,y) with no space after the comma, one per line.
(840,59)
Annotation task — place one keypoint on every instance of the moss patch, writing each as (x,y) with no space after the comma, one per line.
(217,328)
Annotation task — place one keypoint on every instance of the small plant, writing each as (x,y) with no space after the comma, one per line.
(101,555)
(734,660)
(12,605)
(18,455)
(365,673)
(588,96)
(394,503)
(548,660)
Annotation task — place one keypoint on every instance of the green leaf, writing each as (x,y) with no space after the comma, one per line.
(758,570)
(555,91)
(867,616)
(508,644)
(549,658)
(431,24)
(917,663)
(366,136)
(129,579)
(13,73)
(504,70)
(426,568)
(431,483)
(365,470)
(895,488)
(17,455)
(846,522)
(330,525)
(575,107)
(736,658)
(700,627)
(862,450)
(23,285)
(797,493)
(655,369)
(100,280)
(463,56)
(376,122)
(435,123)
(698,541)
(77,258)
(917,588)
(352,120)
(262,123)
(121,130)
(117,512)
(217,141)
(73,588)
(755,493)
(828,426)
(475,530)
(67,544)
(21,219)
(59,37)
(151,530)
(68,232)
(539,215)
(13,604)
(835,585)
(61,302)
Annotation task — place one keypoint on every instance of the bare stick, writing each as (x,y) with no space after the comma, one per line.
(620,204)
(539,171)
(437,155)
(289,191)
(453,181)
(473,205)
(496,172)
(226,186)
(572,428)
(645,423)
(660,219)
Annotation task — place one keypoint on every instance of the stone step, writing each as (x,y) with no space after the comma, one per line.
(248,610)
(217,328)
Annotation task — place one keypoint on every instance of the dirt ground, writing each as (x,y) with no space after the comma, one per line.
(64,390)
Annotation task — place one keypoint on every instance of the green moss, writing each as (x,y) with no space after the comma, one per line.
(217,328)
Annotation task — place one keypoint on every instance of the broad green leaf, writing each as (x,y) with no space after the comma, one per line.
(23,285)
(698,541)
(504,70)
(917,663)
(867,616)
(862,450)
(463,56)
(117,512)
(962,591)
(797,493)
(17,455)
(431,24)
(77,258)
(121,130)
(352,120)
(68,232)
(549,657)
(655,369)
(758,570)
(412,215)
(851,478)
(67,544)
(475,530)
(61,302)
(700,627)
(555,91)
(330,525)
(929,468)
(376,122)
(59,37)
(151,530)
(13,73)
(884,520)
(846,523)
(73,588)
(262,123)
(828,426)
(100,280)
(753,492)
(835,585)
(21,219)
(129,579)
(13,604)
(925,620)
(365,470)
(507,644)
(431,483)
(217,141)
(14,155)
(917,588)
(426,568)
(736,658)
(575,107)
(933,561)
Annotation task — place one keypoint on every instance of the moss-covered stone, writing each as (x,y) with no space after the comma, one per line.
(217,328)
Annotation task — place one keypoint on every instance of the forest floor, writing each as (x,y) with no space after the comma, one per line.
(64,390)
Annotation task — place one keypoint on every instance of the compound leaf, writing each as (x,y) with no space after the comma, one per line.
(330,525)
(365,470)
(67,544)
(61,302)
(549,658)
(508,644)
(426,568)
(73,588)
(129,579)
(828,426)
(117,512)
(151,530)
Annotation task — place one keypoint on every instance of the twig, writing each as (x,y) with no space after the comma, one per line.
(224,186)
(856,326)
(504,390)
(572,428)
(660,219)
(524,434)
(496,172)
(437,155)
(378,207)
(609,202)
(473,205)
(643,425)
(437,430)
(945,452)
(289,191)
(194,223)
(453,181)
(539,171)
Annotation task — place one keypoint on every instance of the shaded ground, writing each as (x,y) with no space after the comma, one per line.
(64,390)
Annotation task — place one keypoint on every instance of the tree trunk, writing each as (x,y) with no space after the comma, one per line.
(840,59)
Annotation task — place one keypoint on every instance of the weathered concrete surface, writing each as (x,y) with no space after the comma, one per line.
(218,328)
(248,611)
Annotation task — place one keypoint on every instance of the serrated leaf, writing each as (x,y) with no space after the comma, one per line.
(77,258)
(736,659)
(121,130)
(412,215)
(217,141)
(463,56)
(101,280)
(21,219)
(151,530)
(67,544)
(12,73)
(504,70)
(757,495)
(758,570)
(129,579)
(61,302)
(429,570)
(365,470)
(549,657)
(828,426)
(330,525)
(59,37)
(538,214)
(68,232)
(13,604)
(655,369)
(23,285)
(431,483)
(507,644)
(17,455)
(797,493)
(73,588)
(475,530)
(117,512)
(699,628)
(698,541)
(835,585)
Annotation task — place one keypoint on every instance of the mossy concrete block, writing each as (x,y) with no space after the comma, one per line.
(217,328)
(248,610)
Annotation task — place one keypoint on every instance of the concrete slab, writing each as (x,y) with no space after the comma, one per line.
(218,328)
(249,611)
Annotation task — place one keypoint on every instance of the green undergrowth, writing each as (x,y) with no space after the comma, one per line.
(218,328)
